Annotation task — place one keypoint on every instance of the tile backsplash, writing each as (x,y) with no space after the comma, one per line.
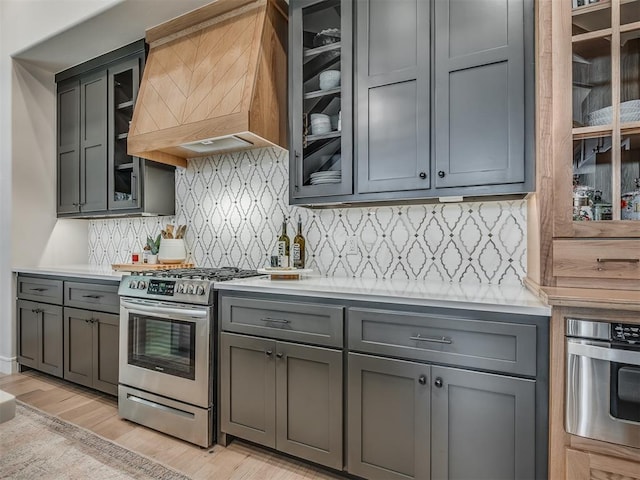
(233,205)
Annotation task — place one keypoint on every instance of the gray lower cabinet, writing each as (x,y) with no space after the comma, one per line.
(283,395)
(482,426)
(40,336)
(91,349)
(389,417)
(414,420)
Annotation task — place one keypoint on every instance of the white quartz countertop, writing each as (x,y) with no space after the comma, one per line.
(494,298)
(95,272)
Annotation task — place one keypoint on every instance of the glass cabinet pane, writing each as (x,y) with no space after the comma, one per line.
(123,98)
(592,82)
(590,16)
(592,174)
(322,94)
(629,11)
(630,74)
(630,177)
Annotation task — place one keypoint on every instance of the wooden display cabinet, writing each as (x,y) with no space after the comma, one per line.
(585,217)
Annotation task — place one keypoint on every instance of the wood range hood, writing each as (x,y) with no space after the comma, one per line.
(215,81)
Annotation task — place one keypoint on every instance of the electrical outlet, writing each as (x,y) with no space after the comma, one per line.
(352,245)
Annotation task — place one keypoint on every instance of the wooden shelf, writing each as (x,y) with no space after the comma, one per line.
(581,133)
(125,166)
(122,136)
(590,8)
(630,128)
(322,93)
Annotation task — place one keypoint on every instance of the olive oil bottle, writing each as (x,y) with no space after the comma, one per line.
(298,254)
(283,246)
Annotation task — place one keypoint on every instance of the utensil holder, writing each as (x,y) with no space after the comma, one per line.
(172,250)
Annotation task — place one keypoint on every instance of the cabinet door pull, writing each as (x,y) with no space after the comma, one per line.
(422,175)
(422,379)
(438,383)
(279,355)
(431,339)
(92,296)
(268,353)
(37,310)
(275,320)
(39,289)
(441,174)
(134,188)
(618,260)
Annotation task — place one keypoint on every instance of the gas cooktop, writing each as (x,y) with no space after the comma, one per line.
(186,285)
(214,274)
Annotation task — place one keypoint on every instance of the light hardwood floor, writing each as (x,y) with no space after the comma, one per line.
(99,413)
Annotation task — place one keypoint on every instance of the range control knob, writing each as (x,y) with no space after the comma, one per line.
(180,288)
(190,289)
(133,284)
(199,290)
(142,284)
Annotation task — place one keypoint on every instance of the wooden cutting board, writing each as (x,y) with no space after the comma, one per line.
(145,267)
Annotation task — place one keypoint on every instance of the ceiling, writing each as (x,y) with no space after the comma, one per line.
(115,27)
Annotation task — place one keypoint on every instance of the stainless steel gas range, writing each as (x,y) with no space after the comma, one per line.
(167,350)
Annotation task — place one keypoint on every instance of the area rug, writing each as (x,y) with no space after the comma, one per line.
(36,445)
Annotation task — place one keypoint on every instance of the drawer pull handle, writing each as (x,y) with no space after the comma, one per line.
(438,383)
(279,355)
(422,379)
(431,339)
(268,353)
(275,320)
(618,260)
(39,289)
(92,296)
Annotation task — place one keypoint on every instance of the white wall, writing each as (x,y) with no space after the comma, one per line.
(30,234)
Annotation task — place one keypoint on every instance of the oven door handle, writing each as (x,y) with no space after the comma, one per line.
(164,312)
(595,350)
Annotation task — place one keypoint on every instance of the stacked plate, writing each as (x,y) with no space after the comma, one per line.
(330,176)
(629,112)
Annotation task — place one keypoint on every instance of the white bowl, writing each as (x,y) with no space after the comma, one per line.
(172,250)
(329,79)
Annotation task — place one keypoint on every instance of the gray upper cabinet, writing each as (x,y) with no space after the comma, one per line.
(96,177)
(68,147)
(479,103)
(392,94)
(443,102)
(320,98)
(93,142)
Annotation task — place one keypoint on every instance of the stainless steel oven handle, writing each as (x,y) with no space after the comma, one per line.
(164,312)
(596,350)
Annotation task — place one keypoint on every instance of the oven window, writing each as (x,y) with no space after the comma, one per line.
(162,345)
(625,392)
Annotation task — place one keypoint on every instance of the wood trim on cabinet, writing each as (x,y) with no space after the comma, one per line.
(558,438)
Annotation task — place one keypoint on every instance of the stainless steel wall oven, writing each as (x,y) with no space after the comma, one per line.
(603,381)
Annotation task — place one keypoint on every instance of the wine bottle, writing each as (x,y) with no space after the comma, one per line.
(298,255)
(283,247)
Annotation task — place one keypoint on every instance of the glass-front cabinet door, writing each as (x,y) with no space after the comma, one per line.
(124,170)
(606,116)
(320,78)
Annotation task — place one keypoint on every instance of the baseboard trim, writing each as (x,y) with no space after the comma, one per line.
(8,365)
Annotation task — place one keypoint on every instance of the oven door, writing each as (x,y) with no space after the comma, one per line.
(165,349)
(603,397)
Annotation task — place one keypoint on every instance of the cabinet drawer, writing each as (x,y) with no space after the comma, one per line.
(497,346)
(300,322)
(40,289)
(619,259)
(92,296)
